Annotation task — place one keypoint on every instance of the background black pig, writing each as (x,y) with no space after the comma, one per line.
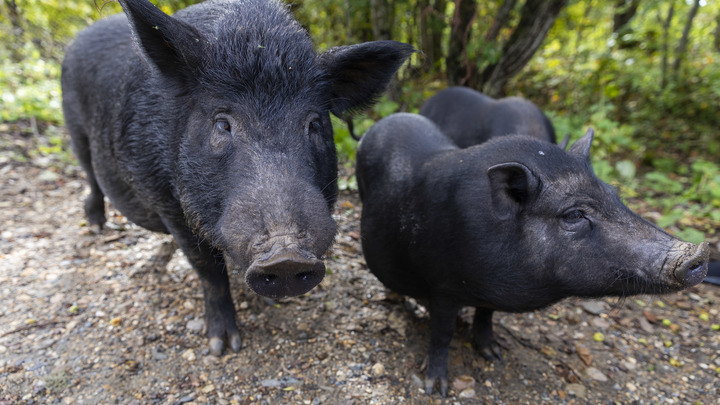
(469,117)
(513,224)
(713,274)
(213,126)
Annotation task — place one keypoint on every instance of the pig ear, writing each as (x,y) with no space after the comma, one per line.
(171,45)
(360,73)
(564,143)
(582,146)
(512,185)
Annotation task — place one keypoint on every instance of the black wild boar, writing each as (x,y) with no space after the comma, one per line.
(713,274)
(514,224)
(470,118)
(213,125)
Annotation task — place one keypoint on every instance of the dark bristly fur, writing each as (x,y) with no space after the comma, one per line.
(213,125)
(469,117)
(513,224)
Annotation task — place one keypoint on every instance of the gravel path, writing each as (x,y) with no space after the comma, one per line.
(91,319)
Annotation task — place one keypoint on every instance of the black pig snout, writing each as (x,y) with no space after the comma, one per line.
(691,270)
(285,272)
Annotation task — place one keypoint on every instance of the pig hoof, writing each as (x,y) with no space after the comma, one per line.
(435,375)
(217,345)
(95,212)
(491,352)
(235,343)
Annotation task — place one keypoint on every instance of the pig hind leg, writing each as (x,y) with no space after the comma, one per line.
(443,318)
(483,336)
(210,266)
(95,202)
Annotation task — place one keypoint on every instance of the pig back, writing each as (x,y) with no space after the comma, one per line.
(392,149)
(93,71)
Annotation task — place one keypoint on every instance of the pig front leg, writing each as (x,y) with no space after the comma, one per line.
(219,309)
(483,337)
(210,266)
(443,317)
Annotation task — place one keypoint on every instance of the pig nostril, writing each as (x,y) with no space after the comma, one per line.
(269,278)
(304,276)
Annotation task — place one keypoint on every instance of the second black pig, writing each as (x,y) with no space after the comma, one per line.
(514,224)
(469,117)
(213,125)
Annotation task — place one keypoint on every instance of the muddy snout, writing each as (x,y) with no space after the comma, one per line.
(285,272)
(692,264)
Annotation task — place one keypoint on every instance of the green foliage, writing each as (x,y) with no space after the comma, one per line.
(345,144)
(30,88)
(657,136)
(33,37)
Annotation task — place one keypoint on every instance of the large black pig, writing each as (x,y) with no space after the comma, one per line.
(213,125)
(469,117)
(514,224)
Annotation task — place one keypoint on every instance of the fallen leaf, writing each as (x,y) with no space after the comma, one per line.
(463,382)
(584,354)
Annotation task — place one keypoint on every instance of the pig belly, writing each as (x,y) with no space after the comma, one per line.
(124,199)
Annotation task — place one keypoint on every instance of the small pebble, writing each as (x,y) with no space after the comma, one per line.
(595,374)
(378,369)
(463,382)
(159,355)
(189,355)
(467,393)
(628,365)
(594,307)
(600,323)
(195,325)
(577,390)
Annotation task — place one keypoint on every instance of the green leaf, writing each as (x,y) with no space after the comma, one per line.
(691,235)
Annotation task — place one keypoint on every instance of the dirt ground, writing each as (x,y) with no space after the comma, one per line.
(89,319)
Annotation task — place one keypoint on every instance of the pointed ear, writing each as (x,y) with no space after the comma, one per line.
(171,45)
(512,185)
(360,73)
(581,147)
(564,143)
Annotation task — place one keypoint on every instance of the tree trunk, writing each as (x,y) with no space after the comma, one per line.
(685,39)
(536,18)
(382,16)
(432,23)
(18,30)
(625,10)
(437,25)
(500,20)
(460,71)
(666,46)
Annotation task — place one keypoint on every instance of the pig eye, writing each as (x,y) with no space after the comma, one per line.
(313,125)
(574,216)
(222,125)
(220,137)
